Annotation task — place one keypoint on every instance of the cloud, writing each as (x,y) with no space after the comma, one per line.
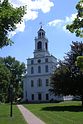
(30,15)
(55,22)
(68,20)
(20,28)
(61,23)
(33,7)
(43,5)
(71,18)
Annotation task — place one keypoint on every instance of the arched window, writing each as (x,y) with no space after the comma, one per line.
(39,35)
(43,34)
(46,46)
(39,69)
(32,70)
(39,82)
(39,45)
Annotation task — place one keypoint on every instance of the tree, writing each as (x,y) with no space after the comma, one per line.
(9,17)
(76,50)
(17,70)
(60,80)
(79,62)
(77,25)
(67,79)
(4,82)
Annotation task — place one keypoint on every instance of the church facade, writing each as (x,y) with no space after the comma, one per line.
(39,70)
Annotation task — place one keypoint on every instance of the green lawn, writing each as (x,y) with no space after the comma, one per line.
(5,118)
(68,112)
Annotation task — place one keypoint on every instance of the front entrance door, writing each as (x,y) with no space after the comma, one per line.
(39,96)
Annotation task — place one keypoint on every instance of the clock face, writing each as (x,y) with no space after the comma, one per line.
(39,61)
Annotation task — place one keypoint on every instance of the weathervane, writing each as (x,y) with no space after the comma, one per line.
(40,24)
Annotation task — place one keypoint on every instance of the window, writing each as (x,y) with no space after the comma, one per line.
(39,82)
(39,69)
(47,96)
(46,46)
(32,70)
(39,45)
(32,83)
(46,68)
(32,96)
(39,35)
(43,34)
(46,60)
(32,62)
(39,96)
(47,82)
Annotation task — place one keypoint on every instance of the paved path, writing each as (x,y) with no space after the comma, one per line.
(28,116)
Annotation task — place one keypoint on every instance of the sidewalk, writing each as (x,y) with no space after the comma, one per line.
(28,116)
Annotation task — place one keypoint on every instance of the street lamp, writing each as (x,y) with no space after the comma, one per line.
(11,100)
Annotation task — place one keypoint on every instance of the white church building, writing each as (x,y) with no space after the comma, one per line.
(39,70)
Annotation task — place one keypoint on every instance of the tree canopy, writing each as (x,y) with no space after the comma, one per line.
(11,72)
(9,17)
(4,81)
(77,25)
(67,78)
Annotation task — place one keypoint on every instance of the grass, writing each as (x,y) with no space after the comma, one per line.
(5,118)
(68,112)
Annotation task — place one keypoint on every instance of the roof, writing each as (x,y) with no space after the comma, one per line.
(41,29)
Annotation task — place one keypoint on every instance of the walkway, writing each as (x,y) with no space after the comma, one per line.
(28,116)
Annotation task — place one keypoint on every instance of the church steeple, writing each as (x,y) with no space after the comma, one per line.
(41,43)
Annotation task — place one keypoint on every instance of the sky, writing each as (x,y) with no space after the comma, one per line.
(54,15)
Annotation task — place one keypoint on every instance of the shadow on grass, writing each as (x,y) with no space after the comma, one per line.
(63,108)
